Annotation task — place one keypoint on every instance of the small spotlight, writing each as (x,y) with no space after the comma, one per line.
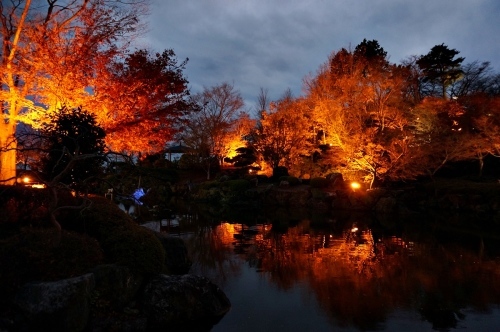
(355,185)
(26,179)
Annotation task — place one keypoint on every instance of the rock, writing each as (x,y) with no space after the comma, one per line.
(386,205)
(335,181)
(177,259)
(55,306)
(117,284)
(184,303)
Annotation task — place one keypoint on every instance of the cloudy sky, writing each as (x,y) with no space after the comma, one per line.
(274,44)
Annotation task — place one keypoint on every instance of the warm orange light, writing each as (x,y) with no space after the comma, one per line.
(26,179)
(355,185)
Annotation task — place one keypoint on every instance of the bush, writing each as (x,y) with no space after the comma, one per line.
(137,248)
(236,186)
(210,184)
(100,220)
(45,255)
(188,161)
(292,180)
(318,194)
(279,172)
(23,206)
(318,182)
(208,195)
(122,240)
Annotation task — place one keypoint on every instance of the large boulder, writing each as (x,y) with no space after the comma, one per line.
(184,303)
(386,205)
(335,181)
(177,259)
(116,284)
(55,306)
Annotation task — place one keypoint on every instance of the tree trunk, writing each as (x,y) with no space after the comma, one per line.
(480,157)
(8,145)
(374,174)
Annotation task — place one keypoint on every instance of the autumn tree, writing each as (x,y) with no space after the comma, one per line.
(440,69)
(142,100)
(414,91)
(481,124)
(52,54)
(357,100)
(282,133)
(209,130)
(438,139)
(238,135)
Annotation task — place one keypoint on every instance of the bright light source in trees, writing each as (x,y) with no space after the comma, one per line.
(355,185)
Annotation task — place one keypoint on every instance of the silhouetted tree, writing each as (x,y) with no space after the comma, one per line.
(208,131)
(74,145)
(440,68)
(478,77)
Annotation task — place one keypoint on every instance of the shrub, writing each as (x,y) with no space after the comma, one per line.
(318,194)
(122,240)
(279,172)
(36,254)
(23,205)
(137,248)
(208,195)
(210,184)
(236,186)
(188,161)
(318,182)
(292,180)
(101,219)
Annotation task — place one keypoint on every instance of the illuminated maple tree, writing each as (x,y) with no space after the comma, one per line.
(210,130)
(283,132)
(52,52)
(237,135)
(357,102)
(141,100)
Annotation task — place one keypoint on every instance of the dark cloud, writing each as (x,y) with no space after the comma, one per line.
(274,44)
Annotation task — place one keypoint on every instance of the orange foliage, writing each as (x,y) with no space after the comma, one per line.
(50,57)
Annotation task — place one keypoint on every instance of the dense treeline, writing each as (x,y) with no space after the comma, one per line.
(360,114)
(366,117)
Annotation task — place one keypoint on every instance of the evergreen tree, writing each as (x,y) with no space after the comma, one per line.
(74,145)
(440,68)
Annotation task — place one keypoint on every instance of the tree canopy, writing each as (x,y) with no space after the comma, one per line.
(52,55)
(74,146)
(441,68)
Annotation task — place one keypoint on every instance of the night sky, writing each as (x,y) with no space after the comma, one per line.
(275,44)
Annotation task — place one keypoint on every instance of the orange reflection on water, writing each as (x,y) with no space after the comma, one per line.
(354,276)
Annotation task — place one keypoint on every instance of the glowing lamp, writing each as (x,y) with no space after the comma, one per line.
(355,185)
(26,179)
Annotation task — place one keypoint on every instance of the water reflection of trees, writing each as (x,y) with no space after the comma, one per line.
(357,277)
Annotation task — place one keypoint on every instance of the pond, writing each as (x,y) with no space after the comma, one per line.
(296,271)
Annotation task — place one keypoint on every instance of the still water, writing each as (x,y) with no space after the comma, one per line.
(293,271)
